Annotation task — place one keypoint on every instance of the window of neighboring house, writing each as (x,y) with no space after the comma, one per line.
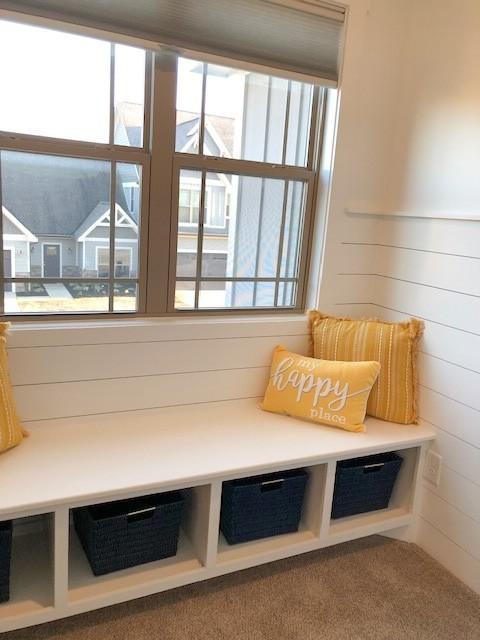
(102,215)
(188,206)
(123,260)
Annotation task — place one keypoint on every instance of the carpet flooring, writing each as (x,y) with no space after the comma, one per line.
(375,589)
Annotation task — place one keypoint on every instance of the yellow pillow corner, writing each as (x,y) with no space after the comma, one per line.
(11,432)
(321,391)
(393,344)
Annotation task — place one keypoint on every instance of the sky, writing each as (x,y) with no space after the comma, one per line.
(58,85)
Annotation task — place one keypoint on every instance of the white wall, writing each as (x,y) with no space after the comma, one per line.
(101,367)
(421,156)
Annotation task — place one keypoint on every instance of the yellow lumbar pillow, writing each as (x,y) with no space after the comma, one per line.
(394,345)
(332,393)
(11,432)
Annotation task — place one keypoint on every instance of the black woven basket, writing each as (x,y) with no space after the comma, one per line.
(262,506)
(5,556)
(364,484)
(122,534)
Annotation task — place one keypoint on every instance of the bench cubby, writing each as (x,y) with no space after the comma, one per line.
(31,568)
(76,462)
(398,512)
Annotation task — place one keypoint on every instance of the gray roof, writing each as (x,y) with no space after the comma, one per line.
(54,195)
(96,214)
(188,132)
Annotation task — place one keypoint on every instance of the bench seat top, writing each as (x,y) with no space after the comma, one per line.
(98,458)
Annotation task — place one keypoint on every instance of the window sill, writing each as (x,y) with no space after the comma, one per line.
(120,330)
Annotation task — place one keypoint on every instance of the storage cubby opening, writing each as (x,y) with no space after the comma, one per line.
(189,558)
(308,531)
(399,510)
(31,583)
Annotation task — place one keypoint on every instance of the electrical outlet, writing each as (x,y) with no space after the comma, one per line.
(433,467)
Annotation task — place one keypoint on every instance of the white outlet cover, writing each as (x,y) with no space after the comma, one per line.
(433,467)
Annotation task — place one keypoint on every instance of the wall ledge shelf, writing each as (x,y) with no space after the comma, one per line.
(434,215)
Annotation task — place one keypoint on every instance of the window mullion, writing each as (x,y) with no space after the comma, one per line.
(113,183)
(287,124)
(201,218)
(162,219)
(113,216)
(280,241)
(201,124)
(262,191)
(316,138)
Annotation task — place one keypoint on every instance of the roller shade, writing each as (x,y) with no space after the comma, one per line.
(295,38)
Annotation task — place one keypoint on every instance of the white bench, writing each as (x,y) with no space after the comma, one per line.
(79,461)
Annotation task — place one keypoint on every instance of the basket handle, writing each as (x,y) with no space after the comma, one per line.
(371,468)
(271,485)
(141,514)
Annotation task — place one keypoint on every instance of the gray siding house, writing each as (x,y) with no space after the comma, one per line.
(56,217)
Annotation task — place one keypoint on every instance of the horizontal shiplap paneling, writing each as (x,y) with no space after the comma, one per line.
(62,371)
(451,237)
(58,400)
(449,553)
(446,271)
(414,299)
(460,456)
(458,491)
(430,269)
(455,418)
(453,523)
(98,362)
(453,381)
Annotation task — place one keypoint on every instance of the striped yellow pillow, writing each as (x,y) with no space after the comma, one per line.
(394,345)
(11,432)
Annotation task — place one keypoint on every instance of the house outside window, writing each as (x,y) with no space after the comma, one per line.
(89,185)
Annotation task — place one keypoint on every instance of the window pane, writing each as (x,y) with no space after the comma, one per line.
(250,116)
(236,295)
(184,295)
(125,296)
(294,220)
(286,294)
(129,95)
(189,104)
(127,222)
(252,230)
(55,84)
(55,214)
(260,239)
(188,211)
(79,296)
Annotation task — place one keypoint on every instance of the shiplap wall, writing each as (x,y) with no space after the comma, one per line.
(395,267)
(100,368)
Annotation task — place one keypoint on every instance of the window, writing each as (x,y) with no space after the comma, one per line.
(76,154)
(105,208)
(188,206)
(259,130)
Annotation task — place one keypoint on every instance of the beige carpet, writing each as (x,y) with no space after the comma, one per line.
(375,589)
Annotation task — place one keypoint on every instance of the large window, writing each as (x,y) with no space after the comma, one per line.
(134,181)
